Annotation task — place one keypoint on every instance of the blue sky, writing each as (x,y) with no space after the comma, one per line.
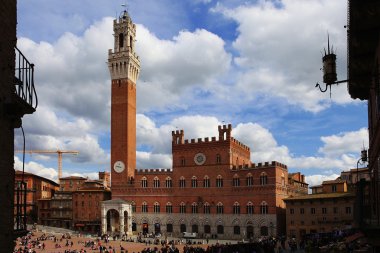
(253,64)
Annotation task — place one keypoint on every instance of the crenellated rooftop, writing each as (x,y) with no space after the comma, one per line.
(224,135)
(154,171)
(260,165)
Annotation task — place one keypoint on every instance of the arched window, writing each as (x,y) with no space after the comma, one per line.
(133,204)
(264,231)
(194,228)
(235,181)
(236,230)
(182,228)
(144,207)
(236,208)
(219,208)
(206,208)
(169,207)
(182,207)
(121,40)
(194,182)
(264,208)
(183,161)
(220,229)
(249,179)
(131,42)
(219,181)
(182,182)
(206,182)
(168,182)
(250,208)
(218,159)
(156,207)
(263,178)
(144,182)
(156,182)
(207,229)
(194,208)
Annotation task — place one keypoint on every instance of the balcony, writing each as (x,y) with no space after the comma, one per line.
(24,99)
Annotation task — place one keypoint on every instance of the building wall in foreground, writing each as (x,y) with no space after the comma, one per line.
(328,213)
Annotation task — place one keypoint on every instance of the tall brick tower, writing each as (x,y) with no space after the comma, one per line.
(124,67)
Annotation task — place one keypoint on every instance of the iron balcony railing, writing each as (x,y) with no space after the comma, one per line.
(24,80)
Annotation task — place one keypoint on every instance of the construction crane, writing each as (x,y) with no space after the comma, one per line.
(59,152)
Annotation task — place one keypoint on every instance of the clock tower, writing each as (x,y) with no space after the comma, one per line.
(124,67)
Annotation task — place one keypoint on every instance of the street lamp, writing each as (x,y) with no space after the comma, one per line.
(329,69)
(363,158)
(359,190)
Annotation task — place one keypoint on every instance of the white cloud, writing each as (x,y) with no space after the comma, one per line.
(313,180)
(71,74)
(159,138)
(44,130)
(265,148)
(348,142)
(37,169)
(146,160)
(171,66)
(280,49)
(262,143)
(49,173)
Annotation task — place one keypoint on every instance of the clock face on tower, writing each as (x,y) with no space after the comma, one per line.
(199,158)
(118,166)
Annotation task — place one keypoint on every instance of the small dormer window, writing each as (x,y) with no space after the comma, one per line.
(121,40)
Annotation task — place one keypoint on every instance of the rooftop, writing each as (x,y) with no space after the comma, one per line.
(321,196)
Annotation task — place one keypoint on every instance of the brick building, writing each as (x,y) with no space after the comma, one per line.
(64,209)
(56,211)
(37,187)
(71,183)
(213,189)
(329,208)
(86,205)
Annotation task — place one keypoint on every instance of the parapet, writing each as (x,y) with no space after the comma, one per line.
(260,166)
(178,137)
(224,132)
(224,135)
(153,171)
(240,144)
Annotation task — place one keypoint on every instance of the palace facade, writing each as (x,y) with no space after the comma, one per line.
(213,189)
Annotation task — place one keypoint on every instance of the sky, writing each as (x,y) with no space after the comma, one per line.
(252,64)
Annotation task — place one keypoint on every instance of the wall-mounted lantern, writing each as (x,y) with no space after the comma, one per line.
(329,68)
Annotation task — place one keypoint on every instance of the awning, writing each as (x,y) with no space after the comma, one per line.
(354,237)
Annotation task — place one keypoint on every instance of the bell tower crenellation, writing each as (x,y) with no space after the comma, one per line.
(123,61)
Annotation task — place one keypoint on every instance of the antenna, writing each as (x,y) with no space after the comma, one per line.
(124,12)
(125,5)
(328,42)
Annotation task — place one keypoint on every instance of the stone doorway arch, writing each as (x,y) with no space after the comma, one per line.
(116,217)
(113,221)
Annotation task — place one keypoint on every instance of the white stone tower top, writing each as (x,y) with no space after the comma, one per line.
(123,61)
